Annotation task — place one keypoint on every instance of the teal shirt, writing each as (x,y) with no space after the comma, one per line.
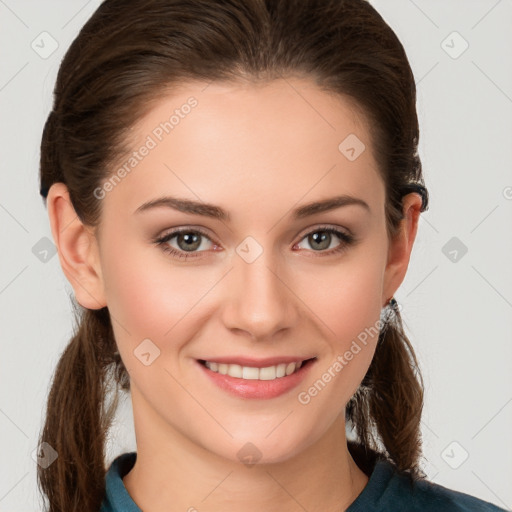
(386,491)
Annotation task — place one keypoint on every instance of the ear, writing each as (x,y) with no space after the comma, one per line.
(400,247)
(77,248)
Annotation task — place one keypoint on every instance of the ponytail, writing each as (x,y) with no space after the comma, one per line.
(386,409)
(77,419)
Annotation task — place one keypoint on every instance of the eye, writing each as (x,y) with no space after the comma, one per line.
(321,238)
(187,240)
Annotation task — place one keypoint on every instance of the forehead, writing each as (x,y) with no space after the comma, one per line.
(248,144)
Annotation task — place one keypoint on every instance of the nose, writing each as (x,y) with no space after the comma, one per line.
(260,300)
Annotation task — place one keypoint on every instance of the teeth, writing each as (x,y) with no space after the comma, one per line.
(251,373)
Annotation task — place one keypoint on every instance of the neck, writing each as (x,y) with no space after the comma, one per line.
(174,474)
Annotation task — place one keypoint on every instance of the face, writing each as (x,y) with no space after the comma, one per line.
(262,285)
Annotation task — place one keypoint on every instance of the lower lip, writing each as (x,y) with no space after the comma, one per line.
(253,388)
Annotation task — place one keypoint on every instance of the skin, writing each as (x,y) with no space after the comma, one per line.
(258,151)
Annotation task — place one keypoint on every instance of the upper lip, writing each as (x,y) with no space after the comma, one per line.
(256,363)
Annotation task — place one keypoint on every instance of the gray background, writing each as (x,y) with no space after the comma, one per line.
(456,298)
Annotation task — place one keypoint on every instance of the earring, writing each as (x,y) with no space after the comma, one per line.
(392,303)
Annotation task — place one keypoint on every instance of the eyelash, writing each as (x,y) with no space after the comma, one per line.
(347,240)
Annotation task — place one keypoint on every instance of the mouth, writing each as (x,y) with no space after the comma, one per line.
(266,373)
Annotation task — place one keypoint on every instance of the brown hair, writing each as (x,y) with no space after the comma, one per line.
(124,57)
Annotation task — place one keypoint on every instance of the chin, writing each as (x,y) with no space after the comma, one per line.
(259,450)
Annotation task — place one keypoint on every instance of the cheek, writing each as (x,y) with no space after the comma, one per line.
(149,298)
(135,297)
(345,298)
(347,304)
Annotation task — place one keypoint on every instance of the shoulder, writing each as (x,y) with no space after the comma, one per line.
(117,498)
(389,489)
(422,495)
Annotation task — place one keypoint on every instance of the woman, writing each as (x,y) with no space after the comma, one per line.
(234,189)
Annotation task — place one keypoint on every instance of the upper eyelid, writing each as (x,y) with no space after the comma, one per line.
(319,227)
(176,231)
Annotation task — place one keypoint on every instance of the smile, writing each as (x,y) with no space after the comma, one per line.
(253,373)
(264,382)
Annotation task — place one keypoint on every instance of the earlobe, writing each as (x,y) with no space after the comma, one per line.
(77,249)
(400,248)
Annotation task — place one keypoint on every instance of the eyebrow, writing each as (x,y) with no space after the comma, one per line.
(216,212)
